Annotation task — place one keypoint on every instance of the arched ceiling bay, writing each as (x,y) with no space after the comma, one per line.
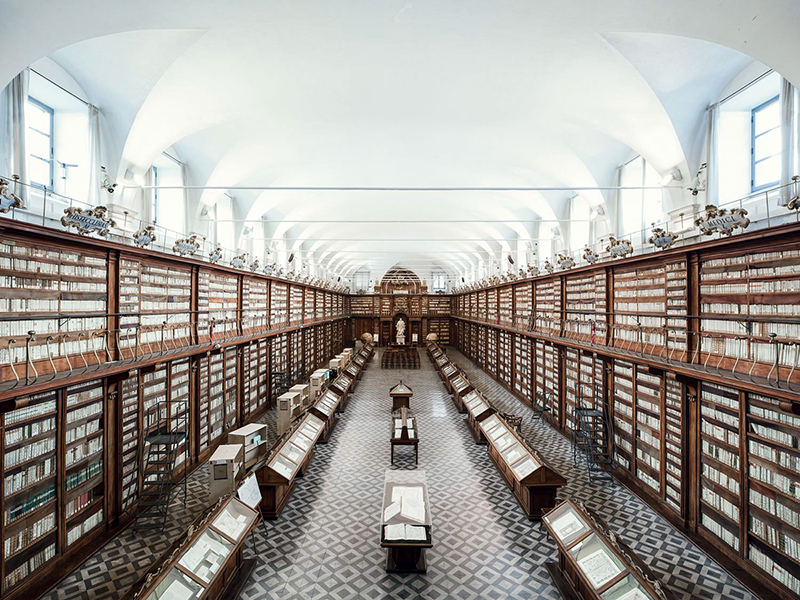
(364,93)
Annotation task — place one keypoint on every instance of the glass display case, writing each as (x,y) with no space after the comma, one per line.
(325,408)
(595,562)
(406,529)
(290,455)
(204,560)
(534,483)
(478,409)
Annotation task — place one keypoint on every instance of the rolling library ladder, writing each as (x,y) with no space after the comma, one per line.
(164,438)
(593,436)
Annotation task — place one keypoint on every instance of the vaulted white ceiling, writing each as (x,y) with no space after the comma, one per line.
(398,94)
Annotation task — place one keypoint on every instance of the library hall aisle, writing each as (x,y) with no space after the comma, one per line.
(325,543)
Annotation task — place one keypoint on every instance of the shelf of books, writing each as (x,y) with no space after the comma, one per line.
(319,346)
(571,388)
(296,355)
(384,306)
(441,327)
(179,403)
(255,357)
(30,488)
(720,463)
(361,306)
(480,305)
(491,349)
(522,367)
(622,409)
(438,306)
(505,300)
(548,307)
(585,305)
(39,281)
(773,447)
(761,286)
(309,309)
(164,289)
(321,307)
(309,357)
(154,391)
(504,358)
(278,305)
(522,305)
(212,406)
(231,392)
(279,363)
(222,293)
(642,298)
(673,436)
(130,440)
(547,386)
(84,428)
(649,429)
(480,340)
(677,309)
(255,304)
(491,306)
(295,305)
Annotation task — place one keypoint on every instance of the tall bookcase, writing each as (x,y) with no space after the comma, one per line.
(279,305)
(255,304)
(522,305)
(32,494)
(39,280)
(522,366)
(548,307)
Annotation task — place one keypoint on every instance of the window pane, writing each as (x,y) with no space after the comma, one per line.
(768,144)
(768,171)
(652,210)
(37,117)
(767,117)
(631,200)
(38,144)
(39,171)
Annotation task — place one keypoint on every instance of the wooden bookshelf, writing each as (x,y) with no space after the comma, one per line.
(255,304)
(279,305)
(683,348)
(523,368)
(73,443)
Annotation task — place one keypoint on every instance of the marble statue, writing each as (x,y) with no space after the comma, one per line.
(401,332)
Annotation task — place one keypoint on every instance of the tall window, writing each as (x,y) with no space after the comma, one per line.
(168,207)
(361,280)
(39,140)
(766,145)
(154,206)
(225,235)
(638,208)
(439,281)
(580,229)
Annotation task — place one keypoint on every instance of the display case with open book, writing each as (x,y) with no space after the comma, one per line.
(459,387)
(534,483)
(205,560)
(326,408)
(404,431)
(288,459)
(594,563)
(478,409)
(341,387)
(406,529)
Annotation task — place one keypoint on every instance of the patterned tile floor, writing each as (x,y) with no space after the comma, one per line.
(324,545)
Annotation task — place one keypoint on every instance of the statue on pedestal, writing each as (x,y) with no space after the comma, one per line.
(401,332)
